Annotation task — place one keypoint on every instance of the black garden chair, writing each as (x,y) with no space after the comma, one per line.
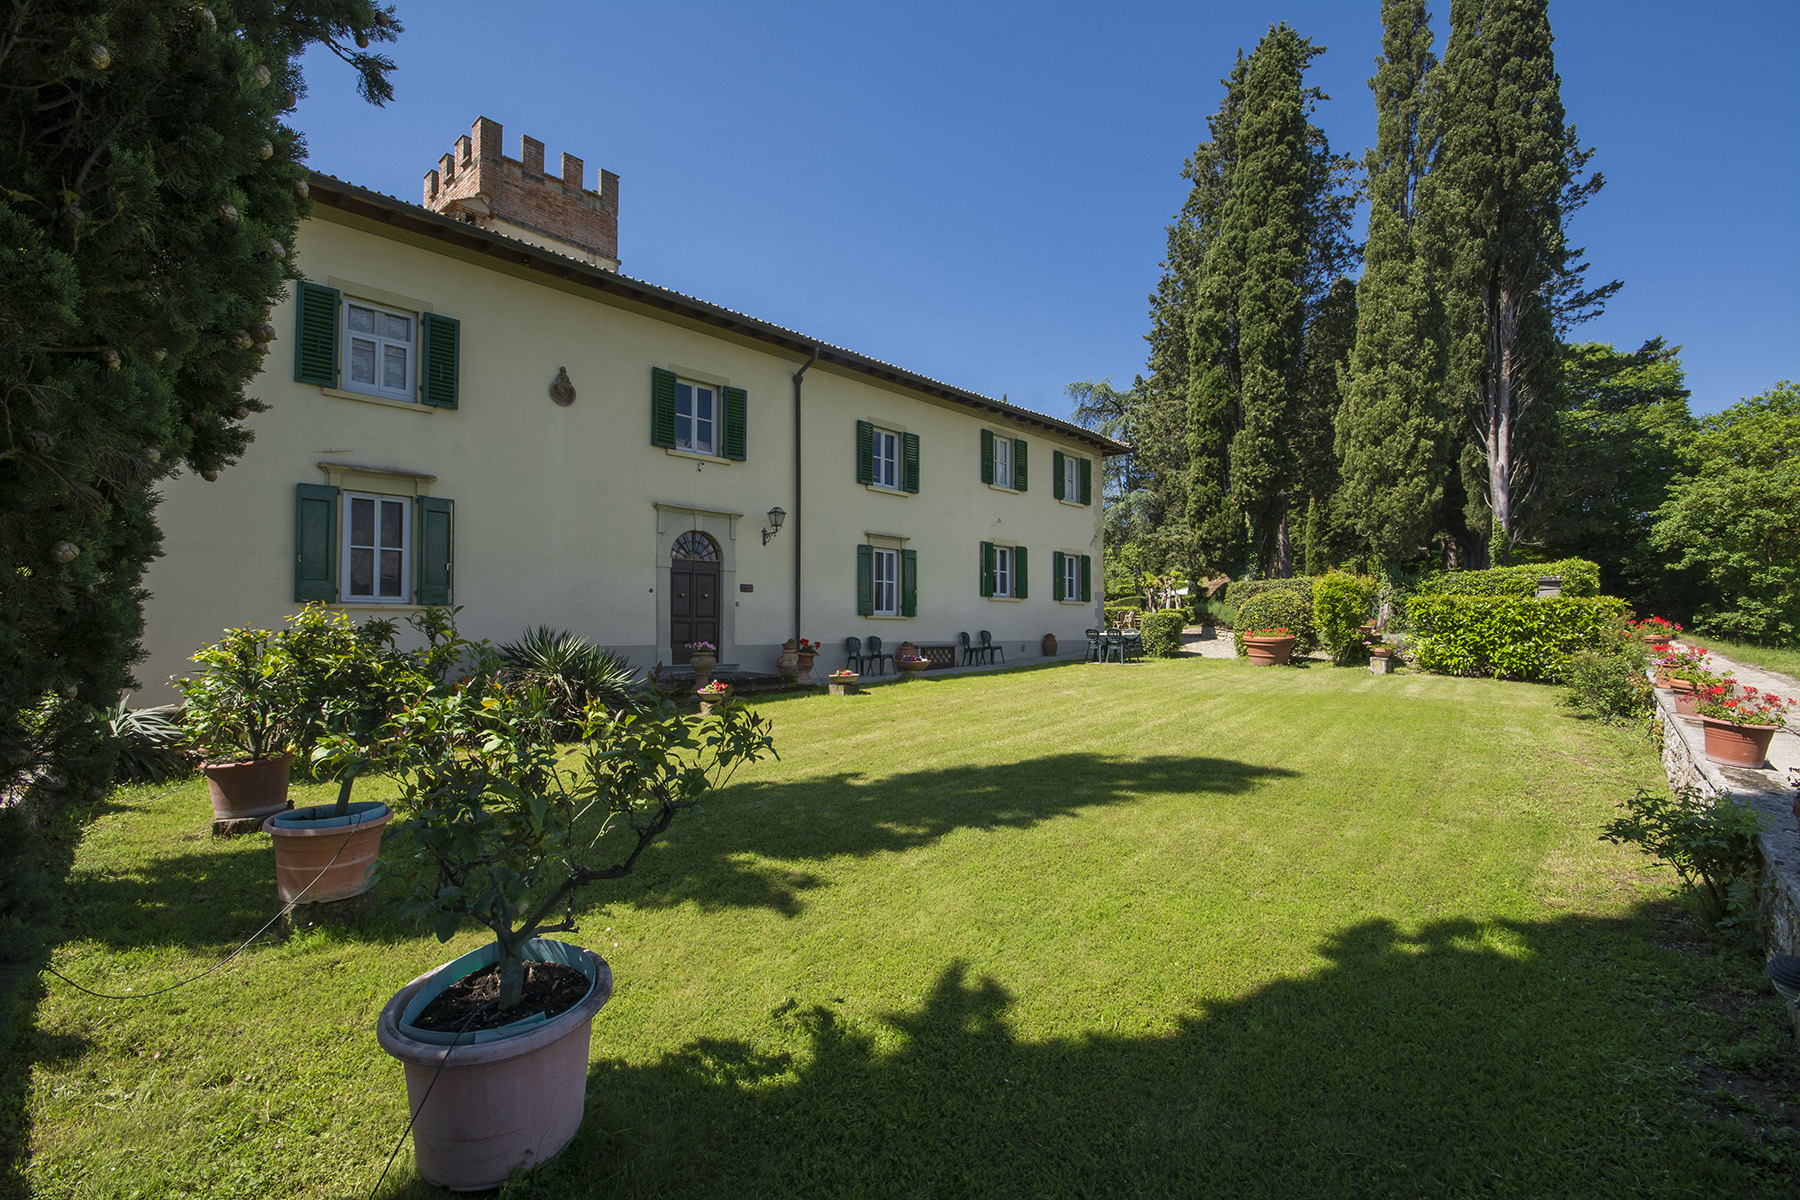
(990,649)
(971,653)
(853,655)
(877,656)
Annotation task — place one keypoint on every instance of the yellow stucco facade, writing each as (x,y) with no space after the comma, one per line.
(568,515)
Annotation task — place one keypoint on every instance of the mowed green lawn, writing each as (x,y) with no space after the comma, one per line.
(1159,929)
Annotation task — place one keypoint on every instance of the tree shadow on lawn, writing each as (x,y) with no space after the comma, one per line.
(1561,1058)
(851,814)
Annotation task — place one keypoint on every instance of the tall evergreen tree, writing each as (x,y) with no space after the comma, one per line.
(1507,175)
(1330,334)
(152,196)
(1280,234)
(1394,435)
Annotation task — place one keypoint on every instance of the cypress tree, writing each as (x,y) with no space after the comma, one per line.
(1330,334)
(1493,207)
(1394,435)
(152,196)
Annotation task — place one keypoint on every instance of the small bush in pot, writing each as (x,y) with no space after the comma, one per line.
(1283,609)
(241,710)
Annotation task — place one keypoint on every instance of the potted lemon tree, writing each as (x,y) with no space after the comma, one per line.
(498,832)
(241,709)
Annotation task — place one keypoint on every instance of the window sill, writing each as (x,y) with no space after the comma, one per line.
(1073,503)
(1001,487)
(879,490)
(1077,603)
(696,455)
(385,401)
(1006,599)
(377,606)
(887,617)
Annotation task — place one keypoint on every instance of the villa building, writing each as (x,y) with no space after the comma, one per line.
(470,405)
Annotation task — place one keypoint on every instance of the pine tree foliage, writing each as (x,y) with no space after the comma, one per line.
(1508,173)
(152,192)
(1394,433)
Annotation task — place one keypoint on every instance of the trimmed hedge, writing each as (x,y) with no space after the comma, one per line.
(1162,632)
(1508,637)
(1341,604)
(1579,578)
(1240,590)
(1274,610)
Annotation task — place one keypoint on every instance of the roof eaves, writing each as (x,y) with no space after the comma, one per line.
(348,196)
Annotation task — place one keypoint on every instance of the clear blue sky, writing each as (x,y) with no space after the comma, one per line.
(978,192)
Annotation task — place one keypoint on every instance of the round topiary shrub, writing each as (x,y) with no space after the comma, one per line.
(1341,603)
(1275,610)
(1162,632)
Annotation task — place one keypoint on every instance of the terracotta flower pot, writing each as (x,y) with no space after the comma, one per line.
(319,857)
(1686,695)
(787,663)
(1049,645)
(1658,640)
(1737,745)
(912,670)
(842,685)
(1381,651)
(508,1099)
(804,662)
(248,789)
(1269,651)
(1662,682)
(710,700)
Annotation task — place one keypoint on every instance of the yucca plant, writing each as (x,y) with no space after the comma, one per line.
(151,743)
(573,673)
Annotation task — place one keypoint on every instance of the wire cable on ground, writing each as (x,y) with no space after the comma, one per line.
(401,1140)
(221,964)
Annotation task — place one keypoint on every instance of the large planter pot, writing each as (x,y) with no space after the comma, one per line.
(1049,645)
(703,665)
(710,700)
(787,664)
(501,1099)
(247,789)
(842,685)
(321,857)
(805,663)
(1656,641)
(1737,745)
(1269,651)
(912,670)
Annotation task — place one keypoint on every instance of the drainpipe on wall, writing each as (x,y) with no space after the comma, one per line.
(794,521)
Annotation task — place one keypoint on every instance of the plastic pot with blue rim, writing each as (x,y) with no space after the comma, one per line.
(322,853)
(496,1101)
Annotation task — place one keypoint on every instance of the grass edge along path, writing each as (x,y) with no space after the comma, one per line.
(1126,930)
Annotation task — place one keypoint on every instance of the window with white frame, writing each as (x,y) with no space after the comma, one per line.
(377,548)
(887,583)
(1003,570)
(696,417)
(1071,581)
(886,459)
(383,346)
(1071,488)
(1003,461)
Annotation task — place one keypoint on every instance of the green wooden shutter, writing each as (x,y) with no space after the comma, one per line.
(987,568)
(865,452)
(1056,474)
(737,422)
(1087,481)
(1087,576)
(865,581)
(432,556)
(662,407)
(1019,464)
(440,348)
(987,456)
(1056,575)
(910,461)
(315,334)
(909,583)
(1019,586)
(315,542)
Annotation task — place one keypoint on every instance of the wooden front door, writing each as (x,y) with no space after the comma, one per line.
(693,594)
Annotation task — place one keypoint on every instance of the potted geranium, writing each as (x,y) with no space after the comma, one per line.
(497,831)
(241,711)
(713,694)
(1655,631)
(842,683)
(702,657)
(805,652)
(1740,723)
(1685,673)
(1269,647)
